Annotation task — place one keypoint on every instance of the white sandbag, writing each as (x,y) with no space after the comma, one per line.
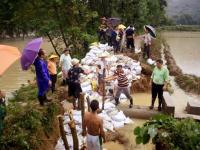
(108,125)
(119,117)
(150,61)
(86,88)
(123,96)
(138,69)
(104,116)
(137,50)
(117,124)
(128,121)
(109,105)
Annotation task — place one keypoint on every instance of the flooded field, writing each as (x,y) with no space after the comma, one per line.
(185,49)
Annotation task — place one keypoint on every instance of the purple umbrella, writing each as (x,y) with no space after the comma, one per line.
(30,52)
(114,21)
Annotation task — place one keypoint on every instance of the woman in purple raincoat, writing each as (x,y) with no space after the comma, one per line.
(42,76)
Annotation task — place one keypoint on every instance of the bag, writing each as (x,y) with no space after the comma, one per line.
(168,87)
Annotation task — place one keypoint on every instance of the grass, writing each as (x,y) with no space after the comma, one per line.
(27,123)
(181,28)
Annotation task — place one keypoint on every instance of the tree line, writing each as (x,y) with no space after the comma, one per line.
(74,22)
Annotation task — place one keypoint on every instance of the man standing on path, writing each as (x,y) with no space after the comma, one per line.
(159,77)
(147,43)
(74,88)
(130,38)
(65,64)
(42,76)
(93,127)
(122,85)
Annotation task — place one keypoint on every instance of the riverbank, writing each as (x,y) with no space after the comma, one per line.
(194,28)
(189,83)
(29,126)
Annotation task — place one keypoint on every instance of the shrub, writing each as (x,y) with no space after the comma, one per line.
(169,134)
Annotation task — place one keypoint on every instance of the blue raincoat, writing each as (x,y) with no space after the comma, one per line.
(42,76)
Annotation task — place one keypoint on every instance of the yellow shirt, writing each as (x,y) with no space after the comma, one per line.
(52,68)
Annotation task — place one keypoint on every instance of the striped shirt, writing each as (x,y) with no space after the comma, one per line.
(122,80)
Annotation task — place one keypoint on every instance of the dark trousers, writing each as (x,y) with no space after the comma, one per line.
(146,51)
(157,90)
(130,43)
(53,80)
(102,36)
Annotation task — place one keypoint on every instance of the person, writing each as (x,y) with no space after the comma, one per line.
(65,64)
(122,86)
(115,40)
(93,127)
(130,37)
(42,76)
(52,68)
(74,87)
(102,30)
(147,43)
(159,77)
(101,70)
(2,111)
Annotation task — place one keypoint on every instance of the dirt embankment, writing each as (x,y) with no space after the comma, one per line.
(189,83)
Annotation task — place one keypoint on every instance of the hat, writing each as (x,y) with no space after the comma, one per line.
(74,61)
(104,54)
(53,56)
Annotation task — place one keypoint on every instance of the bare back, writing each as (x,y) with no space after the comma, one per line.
(94,124)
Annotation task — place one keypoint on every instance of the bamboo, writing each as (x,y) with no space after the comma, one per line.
(74,132)
(82,107)
(88,103)
(62,132)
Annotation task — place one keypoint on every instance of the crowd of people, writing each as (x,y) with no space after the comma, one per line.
(46,76)
(121,37)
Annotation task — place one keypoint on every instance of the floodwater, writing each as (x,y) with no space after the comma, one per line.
(14,77)
(185,49)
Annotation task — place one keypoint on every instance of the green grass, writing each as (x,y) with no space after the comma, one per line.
(27,123)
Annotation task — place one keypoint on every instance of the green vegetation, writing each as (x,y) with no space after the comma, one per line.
(74,23)
(27,124)
(189,83)
(181,28)
(168,133)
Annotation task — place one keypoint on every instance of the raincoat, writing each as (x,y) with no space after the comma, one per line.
(42,76)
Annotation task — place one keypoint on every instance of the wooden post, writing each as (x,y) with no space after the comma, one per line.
(79,102)
(103,97)
(82,107)
(74,132)
(62,132)
(88,103)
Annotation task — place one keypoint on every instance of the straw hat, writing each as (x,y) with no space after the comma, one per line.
(74,61)
(104,54)
(53,56)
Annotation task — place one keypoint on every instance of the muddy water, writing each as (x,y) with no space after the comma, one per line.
(185,49)
(12,79)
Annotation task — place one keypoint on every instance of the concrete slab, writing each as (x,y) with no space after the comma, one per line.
(168,104)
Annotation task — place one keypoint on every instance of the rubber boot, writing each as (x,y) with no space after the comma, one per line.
(159,104)
(131,103)
(74,103)
(152,103)
(116,101)
(41,100)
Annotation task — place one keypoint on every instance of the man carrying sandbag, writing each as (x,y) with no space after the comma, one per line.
(93,127)
(122,85)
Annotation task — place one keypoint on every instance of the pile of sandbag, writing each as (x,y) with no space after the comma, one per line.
(112,117)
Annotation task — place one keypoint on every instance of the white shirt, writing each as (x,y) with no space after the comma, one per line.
(65,62)
(103,65)
(147,39)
